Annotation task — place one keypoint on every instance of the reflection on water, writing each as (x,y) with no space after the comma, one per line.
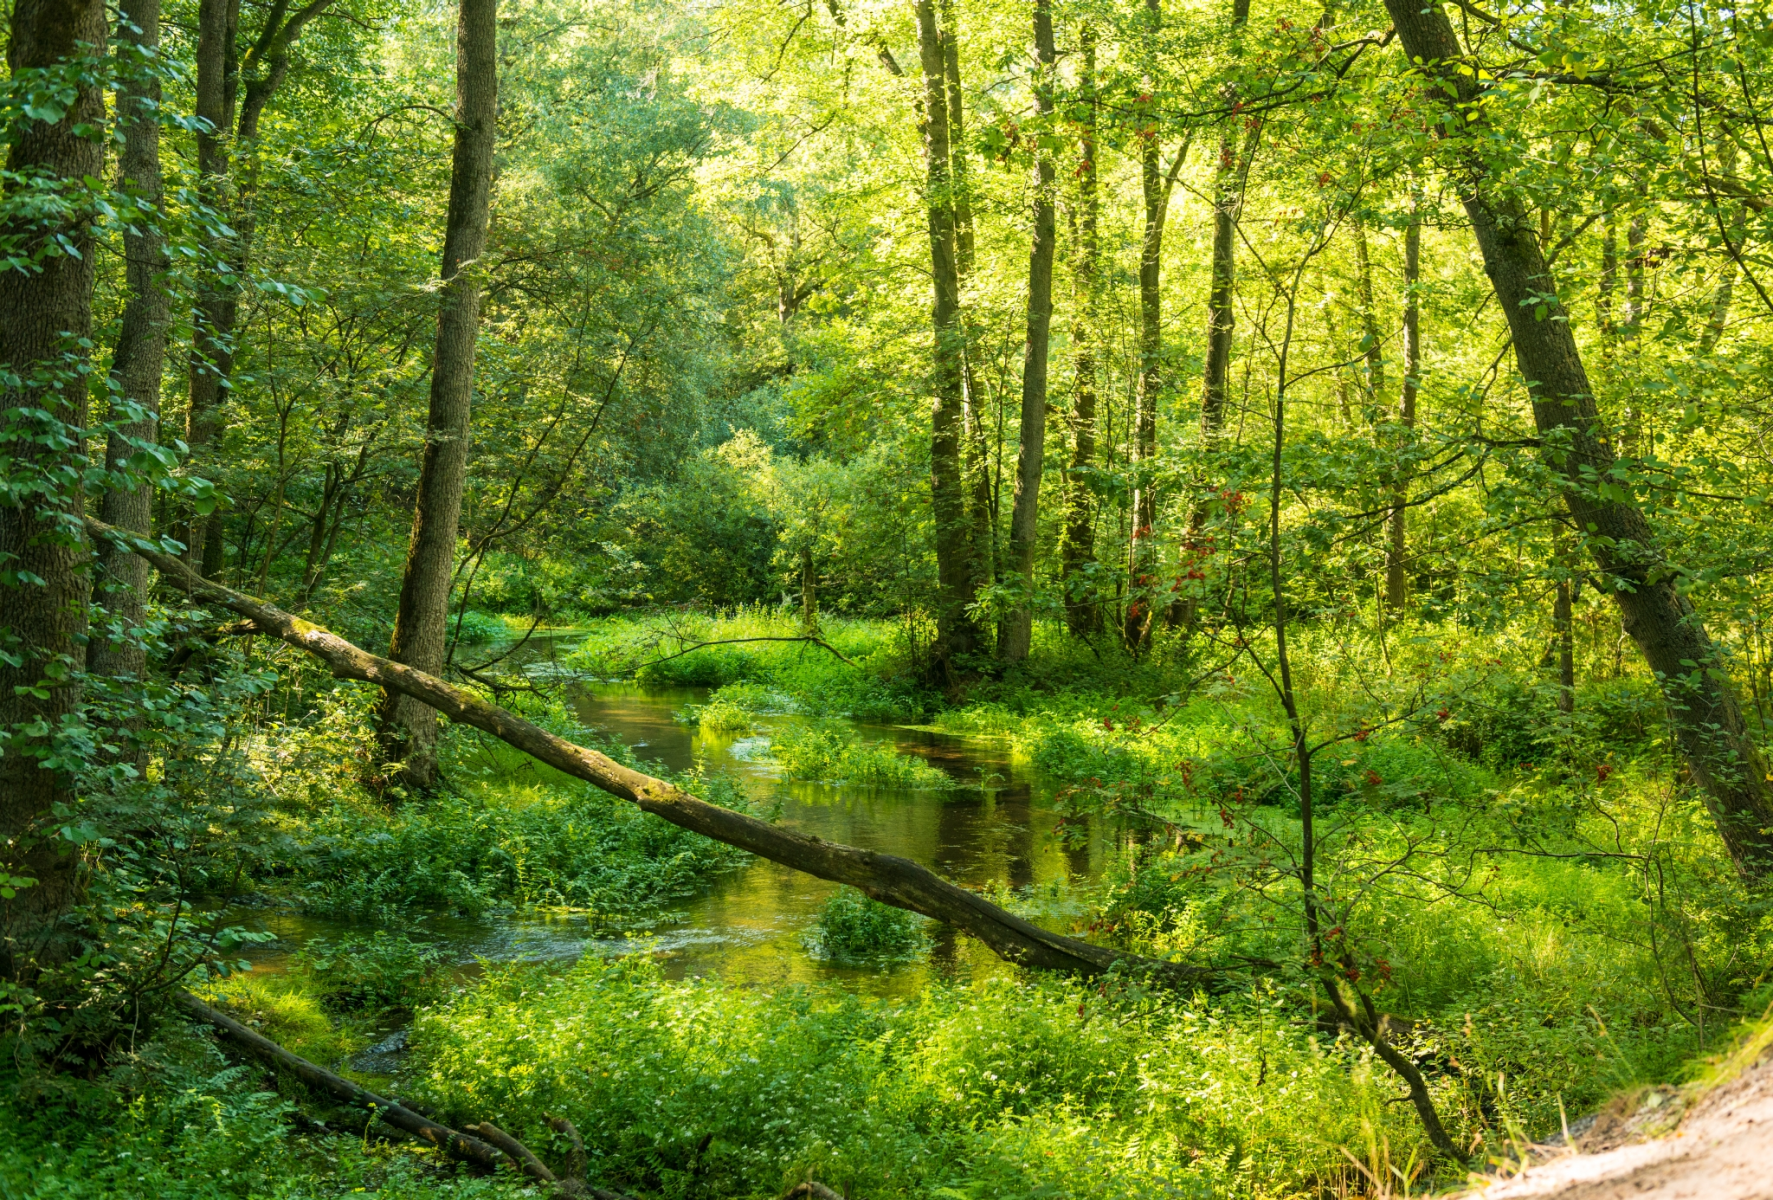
(750,924)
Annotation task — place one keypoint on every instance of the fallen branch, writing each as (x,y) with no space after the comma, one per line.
(478,1144)
(886,877)
(455,1144)
(817,641)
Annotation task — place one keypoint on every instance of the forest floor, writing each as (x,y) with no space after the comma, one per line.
(1720,1149)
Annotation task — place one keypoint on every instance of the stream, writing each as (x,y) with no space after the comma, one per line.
(750,925)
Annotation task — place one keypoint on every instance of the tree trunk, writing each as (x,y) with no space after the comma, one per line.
(1702,703)
(1018,627)
(212,347)
(809,594)
(1082,612)
(948,485)
(408,728)
(976,457)
(1156,186)
(1228,198)
(1397,588)
(1561,615)
(43,589)
(219,73)
(1719,316)
(139,361)
(1371,345)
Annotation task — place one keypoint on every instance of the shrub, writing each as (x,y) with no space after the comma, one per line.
(476,628)
(853,927)
(829,754)
(380,971)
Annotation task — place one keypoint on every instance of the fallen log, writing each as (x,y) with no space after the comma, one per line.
(885,877)
(470,1146)
(452,1142)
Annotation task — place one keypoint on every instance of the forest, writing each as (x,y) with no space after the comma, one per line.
(951,599)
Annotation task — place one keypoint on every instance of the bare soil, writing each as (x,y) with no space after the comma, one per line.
(1713,1145)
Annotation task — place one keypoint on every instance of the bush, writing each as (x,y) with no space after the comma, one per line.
(476,628)
(380,971)
(852,927)
(829,754)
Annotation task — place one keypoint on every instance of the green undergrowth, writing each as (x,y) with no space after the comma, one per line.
(880,680)
(834,754)
(172,1120)
(736,708)
(508,832)
(1008,1088)
(853,928)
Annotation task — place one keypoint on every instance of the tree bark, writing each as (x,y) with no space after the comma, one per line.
(1083,613)
(408,729)
(1228,199)
(1018,627)
(139,361)
(1397,587)
(956,634)
(1371,344)
(1156,187)
(886,877)
(1702,702)
(976,459)
(212,347)
(47,316)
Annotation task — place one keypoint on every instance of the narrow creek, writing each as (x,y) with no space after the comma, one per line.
(750,925)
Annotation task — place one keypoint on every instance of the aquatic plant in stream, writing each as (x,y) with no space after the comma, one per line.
(853,928)
(831,754)
(734,708)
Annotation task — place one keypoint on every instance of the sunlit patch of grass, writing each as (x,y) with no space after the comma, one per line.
(826,754)
(288,1013)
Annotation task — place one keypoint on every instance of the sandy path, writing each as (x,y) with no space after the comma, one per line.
(1721,1150)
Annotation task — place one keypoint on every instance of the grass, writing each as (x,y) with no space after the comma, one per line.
(1009,1088)
(879,682)
(829,754)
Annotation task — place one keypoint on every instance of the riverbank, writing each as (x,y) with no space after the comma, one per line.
(1536,908)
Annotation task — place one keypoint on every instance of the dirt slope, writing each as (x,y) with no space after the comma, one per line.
(1721,1149)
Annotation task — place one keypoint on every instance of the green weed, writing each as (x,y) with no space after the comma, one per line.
(830,754)
(851,928)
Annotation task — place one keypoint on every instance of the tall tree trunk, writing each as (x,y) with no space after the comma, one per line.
(47,316)
(1563,620)
(139,360)
(948,485)
(1397,547)
(1702,703)
(1371,344)
(220,69)
(1082,611)
(212,348)
(976,456)
(1228,198)
(1156,186)
(1017,632)
(809,593)
(1608,283)
(1719,316)
(408,728)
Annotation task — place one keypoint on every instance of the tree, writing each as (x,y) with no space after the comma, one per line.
(957,633)
(46,296)
(139,360)
(409,728)
(1077,552)
(1702,703)
(1017,632)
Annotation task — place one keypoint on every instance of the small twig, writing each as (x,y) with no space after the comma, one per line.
(817,641)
